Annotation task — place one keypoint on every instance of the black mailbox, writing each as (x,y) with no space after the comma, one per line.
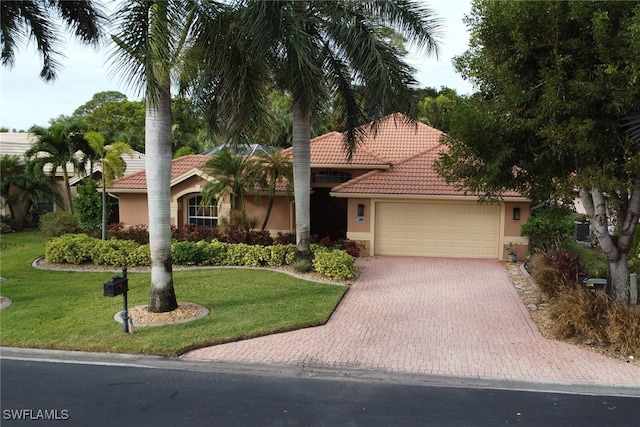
(116,286)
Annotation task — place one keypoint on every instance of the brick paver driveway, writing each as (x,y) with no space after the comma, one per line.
(433,316)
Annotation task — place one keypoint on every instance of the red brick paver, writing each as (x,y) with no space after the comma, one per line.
(433,316)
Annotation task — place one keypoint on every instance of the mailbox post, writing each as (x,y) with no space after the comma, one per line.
(119,285)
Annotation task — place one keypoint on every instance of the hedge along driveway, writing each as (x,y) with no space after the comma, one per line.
(67,310)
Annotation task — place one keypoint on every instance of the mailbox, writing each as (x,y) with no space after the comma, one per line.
(118,285)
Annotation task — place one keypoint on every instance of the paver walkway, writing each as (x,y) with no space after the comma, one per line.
(433,316)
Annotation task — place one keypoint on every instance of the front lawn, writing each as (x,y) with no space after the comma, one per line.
(67,310)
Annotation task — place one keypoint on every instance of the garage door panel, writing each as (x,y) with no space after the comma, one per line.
(437,229)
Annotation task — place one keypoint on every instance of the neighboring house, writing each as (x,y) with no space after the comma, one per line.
(17,143)
(387,196)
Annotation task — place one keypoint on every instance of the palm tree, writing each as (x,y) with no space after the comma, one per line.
(38,19)
(234,174)
(273,167)
(33,187)
(112,164)
(11,167)
(318,49)
(152,38)
(57,147)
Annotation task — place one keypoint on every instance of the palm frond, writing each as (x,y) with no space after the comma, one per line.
(632,125)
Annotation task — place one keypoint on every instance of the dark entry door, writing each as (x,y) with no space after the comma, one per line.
(328,215)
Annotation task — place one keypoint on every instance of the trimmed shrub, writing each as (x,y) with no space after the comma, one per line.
(120,253)
(215,253)
(70,248)
(188,253)
(281,255)
(141,256)
(54,224)
(235,254)
(337,265)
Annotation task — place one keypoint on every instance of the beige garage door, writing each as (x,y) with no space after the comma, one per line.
(466,230)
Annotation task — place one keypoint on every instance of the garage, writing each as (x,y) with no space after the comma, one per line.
(438,229)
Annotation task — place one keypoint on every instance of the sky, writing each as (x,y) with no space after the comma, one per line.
(26,100)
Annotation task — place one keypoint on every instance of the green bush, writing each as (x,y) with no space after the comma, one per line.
(120,253)
(70,248)
(548,229)
(141,256)
(54,224)
(281,255)
(215,252)
(337,264)
(80,248)
(188,253)
(88,206)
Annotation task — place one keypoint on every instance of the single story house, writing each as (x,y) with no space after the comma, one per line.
(387,196)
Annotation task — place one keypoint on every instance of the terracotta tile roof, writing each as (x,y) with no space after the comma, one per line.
(393,139)
(329,149)
(413,176)
(179,167)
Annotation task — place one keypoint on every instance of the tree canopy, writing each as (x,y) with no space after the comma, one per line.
(555,80)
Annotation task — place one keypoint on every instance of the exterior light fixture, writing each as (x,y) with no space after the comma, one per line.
(516,214)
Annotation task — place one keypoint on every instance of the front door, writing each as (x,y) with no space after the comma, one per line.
(328,215)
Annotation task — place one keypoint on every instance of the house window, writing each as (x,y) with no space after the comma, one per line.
(43,205)
(201,215)
(331,176)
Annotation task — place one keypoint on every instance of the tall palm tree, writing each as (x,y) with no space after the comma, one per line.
(317,49)
(38,19)
(153,35)
(273,167)
(149,31)
(57,147)
(112,164)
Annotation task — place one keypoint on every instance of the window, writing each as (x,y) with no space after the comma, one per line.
(331,176)
(201,215)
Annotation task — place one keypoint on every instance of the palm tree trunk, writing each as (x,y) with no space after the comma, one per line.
(67,187)
(158,144)
(104,203)
(302,180)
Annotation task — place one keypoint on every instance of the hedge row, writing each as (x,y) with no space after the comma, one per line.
(82,249)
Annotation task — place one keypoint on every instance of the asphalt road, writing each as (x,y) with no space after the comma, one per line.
(45,393)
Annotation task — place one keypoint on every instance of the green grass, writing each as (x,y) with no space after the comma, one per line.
(66,310)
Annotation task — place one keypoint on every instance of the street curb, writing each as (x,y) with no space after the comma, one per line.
(317,372)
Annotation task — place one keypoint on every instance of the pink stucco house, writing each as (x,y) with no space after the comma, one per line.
(387,196)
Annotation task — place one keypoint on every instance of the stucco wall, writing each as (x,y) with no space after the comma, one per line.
(133,208)
(280,217)
(512,235)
